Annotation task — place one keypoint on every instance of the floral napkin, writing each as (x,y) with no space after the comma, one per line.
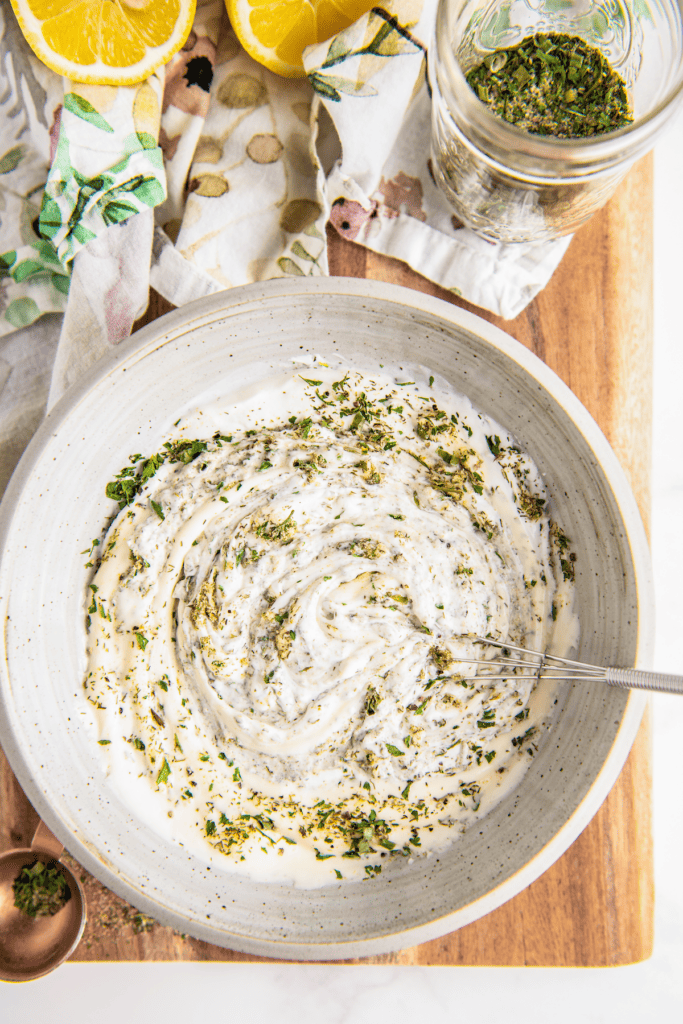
(106,165)
(239,169)
(33,281)
(275,159)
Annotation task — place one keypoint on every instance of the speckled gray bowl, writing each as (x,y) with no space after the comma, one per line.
(55,505)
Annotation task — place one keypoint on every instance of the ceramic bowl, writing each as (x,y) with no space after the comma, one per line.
(55,506)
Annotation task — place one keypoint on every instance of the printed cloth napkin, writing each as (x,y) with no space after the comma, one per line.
(275,159)
(215,172)
(33,281)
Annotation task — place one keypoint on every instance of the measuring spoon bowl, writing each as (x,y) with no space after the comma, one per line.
(33,946)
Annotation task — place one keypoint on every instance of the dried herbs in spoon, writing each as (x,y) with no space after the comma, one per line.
(553,84)
(40,890)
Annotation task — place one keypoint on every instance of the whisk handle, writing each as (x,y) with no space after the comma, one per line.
(635,678)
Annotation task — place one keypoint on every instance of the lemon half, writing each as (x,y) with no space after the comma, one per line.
(105,42)
(276,32)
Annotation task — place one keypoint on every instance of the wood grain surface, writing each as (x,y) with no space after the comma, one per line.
(594,907)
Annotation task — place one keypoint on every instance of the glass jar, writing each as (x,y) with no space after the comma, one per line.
(510,185)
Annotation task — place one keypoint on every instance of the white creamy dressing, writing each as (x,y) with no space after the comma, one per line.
(275,625)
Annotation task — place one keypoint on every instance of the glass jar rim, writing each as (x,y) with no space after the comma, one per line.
(492,132)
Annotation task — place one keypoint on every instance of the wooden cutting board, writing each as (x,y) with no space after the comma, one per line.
(593,325)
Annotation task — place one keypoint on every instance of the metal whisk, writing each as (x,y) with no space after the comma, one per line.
(548,666)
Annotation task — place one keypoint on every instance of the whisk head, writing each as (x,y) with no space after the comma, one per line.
(521,664)
(526,665)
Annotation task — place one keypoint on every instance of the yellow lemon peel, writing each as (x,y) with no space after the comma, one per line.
(105,42)
(276,32)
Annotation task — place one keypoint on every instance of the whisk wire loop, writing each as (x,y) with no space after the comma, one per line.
(561,670)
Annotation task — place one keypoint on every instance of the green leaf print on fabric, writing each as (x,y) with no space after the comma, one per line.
(27,268)
(390,40)
(144,188)
(99,200)
(298,250)
(87,188)
(330,86)
(11,159)
(146,140)
(7,261)
(82,108)
(136,142)
(22,312)
(323,88)
(83,234)
(79,205)
(50,218)
(290,267)
(117,211)
(61,283)
(149,191)
(35,260)
(338,50)
(46,251)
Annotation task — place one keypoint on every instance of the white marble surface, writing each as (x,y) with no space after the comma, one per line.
(296,994)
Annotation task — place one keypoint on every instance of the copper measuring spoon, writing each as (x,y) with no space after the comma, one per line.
(33,946)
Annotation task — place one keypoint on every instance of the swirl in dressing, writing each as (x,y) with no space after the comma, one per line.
(277,625)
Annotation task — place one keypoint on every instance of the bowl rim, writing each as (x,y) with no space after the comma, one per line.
(191,317)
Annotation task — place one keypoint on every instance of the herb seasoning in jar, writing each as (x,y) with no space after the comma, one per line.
(553,84)
(540,109)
